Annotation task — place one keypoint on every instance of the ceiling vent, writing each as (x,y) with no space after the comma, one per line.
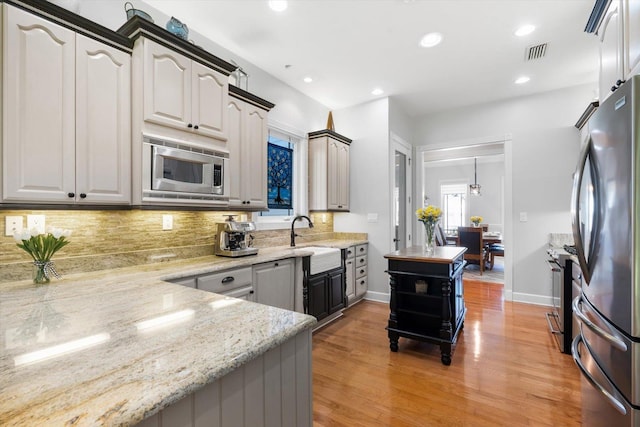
(536,52)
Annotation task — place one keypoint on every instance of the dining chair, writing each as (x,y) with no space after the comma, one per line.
(441,238)
(471,238)
(485,227)
(495,249)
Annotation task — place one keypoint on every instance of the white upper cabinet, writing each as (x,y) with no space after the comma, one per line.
(183,94)
(67,134)
(611,50)
(631,13)
(39,105)
(103,123)
(247,145)
(329,179)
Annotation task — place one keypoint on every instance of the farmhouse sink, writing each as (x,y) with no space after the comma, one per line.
(323,259)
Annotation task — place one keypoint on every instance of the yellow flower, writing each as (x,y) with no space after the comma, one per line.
(431,214)
(476,219)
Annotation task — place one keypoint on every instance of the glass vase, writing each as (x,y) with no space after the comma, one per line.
(430,239)
(40,272)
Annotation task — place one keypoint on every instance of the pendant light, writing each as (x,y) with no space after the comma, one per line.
(475,187)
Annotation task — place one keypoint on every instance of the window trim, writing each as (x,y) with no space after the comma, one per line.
(300,201)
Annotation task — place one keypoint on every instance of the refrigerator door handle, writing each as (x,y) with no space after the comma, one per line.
(575,211)
(610,337)
(607,395)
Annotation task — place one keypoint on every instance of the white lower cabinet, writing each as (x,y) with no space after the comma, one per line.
(356,272)
(67,130)
(274,389)
(234,283)
(274,283)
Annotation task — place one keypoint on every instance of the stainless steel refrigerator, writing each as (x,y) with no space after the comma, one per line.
(606,219)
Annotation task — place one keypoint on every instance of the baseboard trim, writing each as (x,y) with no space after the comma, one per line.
(532,299)
(377,296)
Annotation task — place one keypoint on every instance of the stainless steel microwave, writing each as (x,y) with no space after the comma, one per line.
(179,171)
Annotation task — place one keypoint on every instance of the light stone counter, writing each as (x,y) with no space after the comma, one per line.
(77,351)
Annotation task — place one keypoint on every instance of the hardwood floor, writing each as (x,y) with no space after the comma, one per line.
(506,370)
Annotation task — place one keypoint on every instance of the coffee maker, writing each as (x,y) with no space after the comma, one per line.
(233,238)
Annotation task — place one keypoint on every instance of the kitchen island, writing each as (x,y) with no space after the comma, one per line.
(427,296)
(122,347)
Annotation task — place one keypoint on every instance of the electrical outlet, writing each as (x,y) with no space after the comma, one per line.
(167,222)
(13,224)
(37,222)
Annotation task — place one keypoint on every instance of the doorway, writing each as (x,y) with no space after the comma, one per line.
(401,211)
(500,215)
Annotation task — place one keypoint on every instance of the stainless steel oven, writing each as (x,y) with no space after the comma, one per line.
(180,171)
(556,316)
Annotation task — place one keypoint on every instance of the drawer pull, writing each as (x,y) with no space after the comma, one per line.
(361,260)
(361,271)
(228,279)
(361,249)
(362,282)
(349,262)
(276,264)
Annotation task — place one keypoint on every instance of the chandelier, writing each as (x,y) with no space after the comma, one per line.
(475,187)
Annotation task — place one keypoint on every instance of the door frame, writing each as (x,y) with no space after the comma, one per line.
(402,146)
(477,146)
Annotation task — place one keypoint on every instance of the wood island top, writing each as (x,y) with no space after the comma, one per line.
(441,255)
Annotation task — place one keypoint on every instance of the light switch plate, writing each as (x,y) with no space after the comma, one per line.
(372,217)
(13,224)
(37,222)
(167,222)
(523,217)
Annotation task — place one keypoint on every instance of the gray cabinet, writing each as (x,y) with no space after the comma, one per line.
(274,283)
(235,283)
(329,156)
(356,272)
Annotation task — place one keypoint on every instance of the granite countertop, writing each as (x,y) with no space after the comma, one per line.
(441,254)
(78,351)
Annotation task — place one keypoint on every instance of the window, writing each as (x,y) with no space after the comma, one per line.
(454,205)
(286,175)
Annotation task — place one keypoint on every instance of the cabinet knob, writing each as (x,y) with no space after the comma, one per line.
(614,88)
(339,207)
(619,82)
(189,125)
(361,271)
(276,264)
(250,292)
(349,262)
(83,196)
(361,260)
(71,194)
(362,282)
(248,202)
(196,127)
(361,249)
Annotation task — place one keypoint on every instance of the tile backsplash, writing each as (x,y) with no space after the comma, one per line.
(118,238)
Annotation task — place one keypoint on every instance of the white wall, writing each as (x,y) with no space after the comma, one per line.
(368,126)
(543,155)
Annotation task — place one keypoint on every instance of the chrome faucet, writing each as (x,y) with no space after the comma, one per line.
(293,233)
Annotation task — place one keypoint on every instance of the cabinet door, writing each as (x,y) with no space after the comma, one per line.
(343,176)
(632,36)
(274,282)
(254,157)
(235,134)
(333,175)
(246,293)
(209,91)
(167,86)
(39,108)
(318,295)
(337,175)
(610,33)
(335,282)
(103,123)
(350,279)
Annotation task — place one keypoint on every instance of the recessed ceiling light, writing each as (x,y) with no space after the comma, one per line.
(278,5)
(377,91)
(524,30)
(431,40)
(307,79)
(522,80)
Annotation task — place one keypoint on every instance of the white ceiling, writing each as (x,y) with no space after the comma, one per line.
(351,46)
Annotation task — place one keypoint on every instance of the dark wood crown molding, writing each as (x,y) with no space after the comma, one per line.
(243,95)
(137,27)
(74,22)
(329,132)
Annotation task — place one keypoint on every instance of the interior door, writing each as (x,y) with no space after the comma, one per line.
(401,195)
